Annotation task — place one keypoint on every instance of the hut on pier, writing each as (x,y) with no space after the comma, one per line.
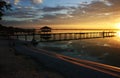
(45,32)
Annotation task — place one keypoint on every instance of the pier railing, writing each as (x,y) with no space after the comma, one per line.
(44,37)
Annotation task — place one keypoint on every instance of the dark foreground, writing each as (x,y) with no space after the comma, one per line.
(13,65)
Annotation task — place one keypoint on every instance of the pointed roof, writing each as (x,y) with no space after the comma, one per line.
(45,27)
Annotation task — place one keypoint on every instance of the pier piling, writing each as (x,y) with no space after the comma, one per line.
(67,36)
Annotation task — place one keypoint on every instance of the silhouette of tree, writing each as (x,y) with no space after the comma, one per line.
(3,7)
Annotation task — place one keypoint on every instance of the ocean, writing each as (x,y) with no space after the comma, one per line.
(102,50)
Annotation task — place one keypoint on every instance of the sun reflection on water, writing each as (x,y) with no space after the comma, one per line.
(118,34)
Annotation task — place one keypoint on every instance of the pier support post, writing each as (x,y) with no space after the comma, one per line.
(60,36)
(17,36)
(25,37)
(103,34)
(33,36)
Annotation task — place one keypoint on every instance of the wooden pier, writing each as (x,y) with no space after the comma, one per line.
(46,37)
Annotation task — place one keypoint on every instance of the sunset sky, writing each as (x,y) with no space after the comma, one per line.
(63,14)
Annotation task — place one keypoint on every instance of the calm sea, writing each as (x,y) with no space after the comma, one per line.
(102,50)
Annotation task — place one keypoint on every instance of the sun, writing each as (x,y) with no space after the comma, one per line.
(118,34)
(118,25)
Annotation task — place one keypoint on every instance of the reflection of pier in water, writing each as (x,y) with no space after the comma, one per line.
(41,37)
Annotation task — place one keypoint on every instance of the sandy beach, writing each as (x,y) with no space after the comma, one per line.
(13,65)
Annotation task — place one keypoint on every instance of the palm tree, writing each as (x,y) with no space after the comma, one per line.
(3,6)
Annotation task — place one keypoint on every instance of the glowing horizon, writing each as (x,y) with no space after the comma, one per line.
(89,14)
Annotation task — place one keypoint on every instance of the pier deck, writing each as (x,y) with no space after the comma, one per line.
(46,37)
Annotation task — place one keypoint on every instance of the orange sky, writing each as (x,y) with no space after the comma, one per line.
(90,14)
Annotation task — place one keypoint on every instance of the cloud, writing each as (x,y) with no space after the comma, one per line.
(37,1)
(33,1)
(106,2)
(96,11)
(16,2)
(58,9)
(51,9)
(98,7)
(22,14)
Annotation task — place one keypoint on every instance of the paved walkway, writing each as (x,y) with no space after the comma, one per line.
(19,66)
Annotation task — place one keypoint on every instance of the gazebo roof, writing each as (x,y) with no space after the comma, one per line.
(45,27)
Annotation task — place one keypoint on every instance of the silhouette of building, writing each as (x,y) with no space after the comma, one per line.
(46,32)
(45,29)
